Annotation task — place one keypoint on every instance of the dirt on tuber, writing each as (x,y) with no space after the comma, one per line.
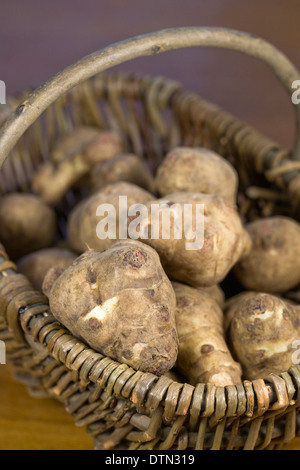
(119,302)
(262,329)
(224,240)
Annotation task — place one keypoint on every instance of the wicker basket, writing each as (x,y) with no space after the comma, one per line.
(121,407)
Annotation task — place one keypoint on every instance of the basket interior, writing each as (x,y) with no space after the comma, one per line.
(120,407)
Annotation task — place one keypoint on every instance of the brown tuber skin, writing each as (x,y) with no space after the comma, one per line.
(121,303)
(72,159)
(36,265)
(216,293)
(124,167)
(225,240)
(197,170)
(262,329)
(83,219)
(272,265)
(27,224)
(203,354)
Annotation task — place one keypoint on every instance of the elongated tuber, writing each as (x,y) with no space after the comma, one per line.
(95,222)
(72,159)
(203,354)
(199,251)
(263,329)
(27,224)
(197,170)
(121,303)
(272,265)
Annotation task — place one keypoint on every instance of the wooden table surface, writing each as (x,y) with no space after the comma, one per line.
(28,423)
(38,39)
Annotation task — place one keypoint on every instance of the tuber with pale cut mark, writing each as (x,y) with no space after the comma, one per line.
(262,329)
(203,354)
(272,265)
(186,255)
(72,159)
(27,224)
(119,302)
(197,170)
(85,220)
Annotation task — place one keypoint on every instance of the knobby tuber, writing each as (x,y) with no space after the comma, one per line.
(203,354)
(90,223)
(121,303)
(72,159)
(197,170)
(200,261)
(27,224)
(272,265)
(262,329)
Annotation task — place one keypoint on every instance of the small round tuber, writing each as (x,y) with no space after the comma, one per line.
(100,212)
(36,265)
(121,303)
(273,263)
(262,329)
(203,354)
(124,167)
(197,170)
(27,224)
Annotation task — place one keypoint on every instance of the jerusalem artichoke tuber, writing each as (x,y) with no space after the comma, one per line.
(203,354)
(121,303)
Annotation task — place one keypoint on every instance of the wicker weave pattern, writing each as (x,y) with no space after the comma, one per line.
(121,407)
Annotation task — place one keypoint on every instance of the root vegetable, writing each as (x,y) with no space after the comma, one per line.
(36,265)
(83,220)
(125,167)
(121,303)
(203,354)
(262,331)
(272,264)
(73,159)
(183,255)
(26,224)
(216,293)
(197,170)
(232,305)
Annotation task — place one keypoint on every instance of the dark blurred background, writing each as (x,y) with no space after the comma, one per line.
(38,38)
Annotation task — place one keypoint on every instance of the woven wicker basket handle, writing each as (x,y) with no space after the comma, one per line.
(145,45)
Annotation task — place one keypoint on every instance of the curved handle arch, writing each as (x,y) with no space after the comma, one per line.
(146,45)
